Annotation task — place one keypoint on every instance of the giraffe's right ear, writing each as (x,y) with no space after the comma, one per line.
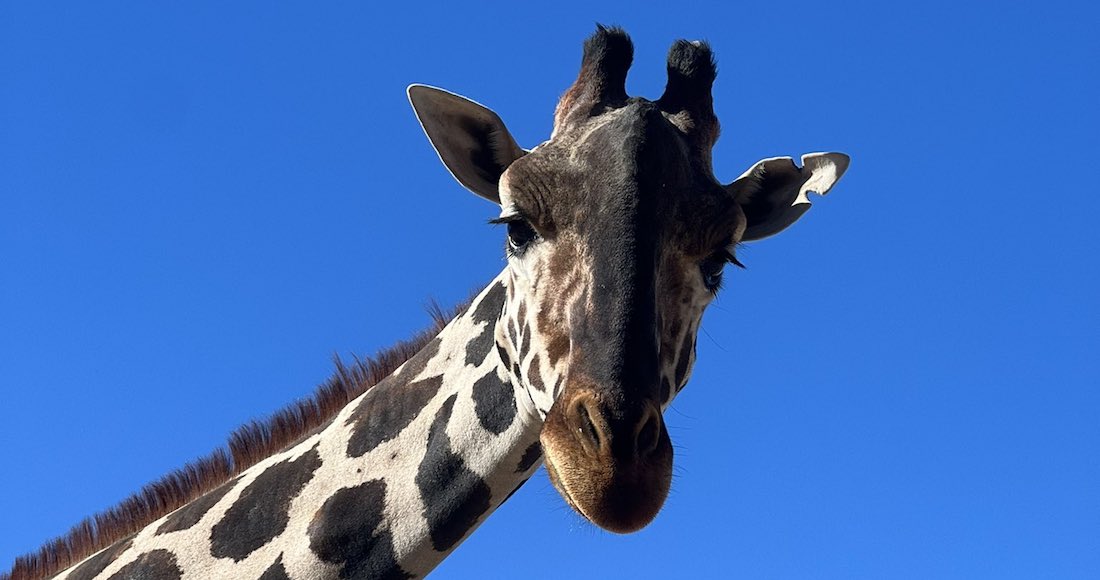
(772,193)
(470,139)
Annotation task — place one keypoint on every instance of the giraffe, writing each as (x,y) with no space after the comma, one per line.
(617,236)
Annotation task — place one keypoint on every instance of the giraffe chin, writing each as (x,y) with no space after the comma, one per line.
(618,496)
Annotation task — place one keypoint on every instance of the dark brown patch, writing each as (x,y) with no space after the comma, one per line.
(530,457)
(154,565)
(494,403)
(91,567)
(557,347)
(261,512)
(534,375)
(504,357)
(190,514)
(480,347)
(525,343)
(415,365)
(345,531)
(454,496)
(488,310)
(513,337)
(386,410)
(276,571)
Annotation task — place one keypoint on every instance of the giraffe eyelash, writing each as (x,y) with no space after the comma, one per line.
(730,258)
(507,219)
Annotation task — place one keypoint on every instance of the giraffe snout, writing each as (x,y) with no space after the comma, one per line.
(610,459)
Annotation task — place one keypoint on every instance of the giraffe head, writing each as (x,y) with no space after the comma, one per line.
(618,233)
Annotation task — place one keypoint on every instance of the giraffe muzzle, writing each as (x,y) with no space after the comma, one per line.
(613,465)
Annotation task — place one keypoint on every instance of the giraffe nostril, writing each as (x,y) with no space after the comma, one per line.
(649,433)
(587,428)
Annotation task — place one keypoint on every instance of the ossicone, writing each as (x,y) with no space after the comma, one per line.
(601,83)
(687,96)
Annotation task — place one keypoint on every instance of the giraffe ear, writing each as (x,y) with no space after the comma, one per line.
(773,192)
(470,139)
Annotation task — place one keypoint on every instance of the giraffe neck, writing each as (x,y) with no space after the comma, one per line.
(387,489)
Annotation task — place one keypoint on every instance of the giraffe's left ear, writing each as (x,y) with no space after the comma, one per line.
(773,192)
(470,139)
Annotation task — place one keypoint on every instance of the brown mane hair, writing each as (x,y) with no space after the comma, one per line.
(248,445)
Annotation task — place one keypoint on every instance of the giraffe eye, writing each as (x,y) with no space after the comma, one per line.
(711,268)
(520,236)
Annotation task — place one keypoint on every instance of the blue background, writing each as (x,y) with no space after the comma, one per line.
(200,204)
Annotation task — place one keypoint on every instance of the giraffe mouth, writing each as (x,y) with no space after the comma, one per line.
(563,490)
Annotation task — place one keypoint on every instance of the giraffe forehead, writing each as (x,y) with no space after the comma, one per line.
(628,172)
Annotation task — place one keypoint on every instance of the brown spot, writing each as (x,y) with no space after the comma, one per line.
(91,567)
(502,352)
(494,403)
(684,359)
(415,365)
(349,530)
(488,309)
(261,512)
(534,375)
(542,321)
(480,346)
(386,410)
(531,456)
(556,348)
(512,335)
(154,565)
(525,345)
(455,497)
(190,514)
(276,571)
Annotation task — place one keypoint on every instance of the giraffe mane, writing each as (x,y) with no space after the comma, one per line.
(247,445)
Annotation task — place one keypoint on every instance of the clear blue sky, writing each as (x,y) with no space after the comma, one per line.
(200,204)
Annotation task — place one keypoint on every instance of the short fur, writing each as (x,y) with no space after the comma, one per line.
(247,446)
